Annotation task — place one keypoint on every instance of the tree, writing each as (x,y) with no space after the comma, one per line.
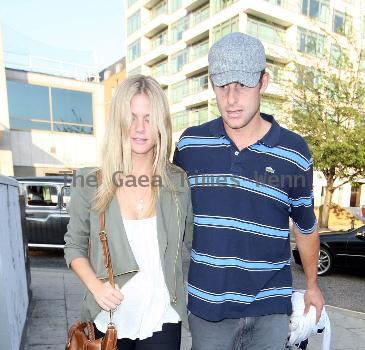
(326,105)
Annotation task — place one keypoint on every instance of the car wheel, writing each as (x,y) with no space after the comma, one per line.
(325,261)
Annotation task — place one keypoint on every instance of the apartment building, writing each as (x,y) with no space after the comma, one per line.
(170,39)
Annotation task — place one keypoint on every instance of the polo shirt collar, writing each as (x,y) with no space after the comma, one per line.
(271,138)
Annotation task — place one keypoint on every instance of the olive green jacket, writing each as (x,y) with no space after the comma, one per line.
(174,224)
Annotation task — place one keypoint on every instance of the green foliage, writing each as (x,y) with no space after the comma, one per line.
(326,105)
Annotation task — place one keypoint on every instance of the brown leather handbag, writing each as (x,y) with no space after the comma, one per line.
(81,335)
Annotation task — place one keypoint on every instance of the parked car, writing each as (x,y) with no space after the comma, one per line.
(339,249)
(46,217)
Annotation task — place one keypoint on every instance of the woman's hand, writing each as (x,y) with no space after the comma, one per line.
(107,297)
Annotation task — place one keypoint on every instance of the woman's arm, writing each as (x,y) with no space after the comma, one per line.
(77,244)
(105,295)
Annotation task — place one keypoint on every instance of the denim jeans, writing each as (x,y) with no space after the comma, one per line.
(268,332)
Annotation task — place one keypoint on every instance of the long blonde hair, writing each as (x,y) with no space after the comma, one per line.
(116,150)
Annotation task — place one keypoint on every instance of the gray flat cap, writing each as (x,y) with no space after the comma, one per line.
(237,57)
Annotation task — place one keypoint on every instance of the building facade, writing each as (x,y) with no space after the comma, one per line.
(170,39)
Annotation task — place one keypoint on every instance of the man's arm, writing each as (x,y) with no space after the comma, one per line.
(308,246)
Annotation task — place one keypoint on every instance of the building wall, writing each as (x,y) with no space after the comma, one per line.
(6,159)
(40,152)
(111,77)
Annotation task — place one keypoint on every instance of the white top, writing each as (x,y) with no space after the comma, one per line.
(146,304)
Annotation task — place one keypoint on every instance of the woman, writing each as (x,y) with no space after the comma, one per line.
(148,212)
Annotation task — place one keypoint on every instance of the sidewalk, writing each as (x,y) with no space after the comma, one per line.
(57,295)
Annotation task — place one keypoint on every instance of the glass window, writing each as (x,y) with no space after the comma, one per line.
(134,50)
(29,106)
(175,5)
(270,106)
(199,50)
(200,15)
(159,9)
(219,5)
(134,22)
(131,2)
(318,9)
(341,23)
(198,116)
(335,55)
(72,106)
(135,71)
(214,110)
(224,28)
(159,69)
(179,121)
(310,42)
(42,195)
(178,91)
(159,39)
(178,28)
(178,60)
(66,194)
(266,32)
(362,61)
(198,84)
(276,72)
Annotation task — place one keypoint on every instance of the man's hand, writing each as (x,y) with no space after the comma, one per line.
(313,296)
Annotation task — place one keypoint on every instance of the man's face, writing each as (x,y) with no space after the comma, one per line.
(239,104)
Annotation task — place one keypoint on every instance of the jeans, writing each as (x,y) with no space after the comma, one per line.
(268,332)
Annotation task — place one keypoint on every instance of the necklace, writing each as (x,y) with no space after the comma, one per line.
(140,204)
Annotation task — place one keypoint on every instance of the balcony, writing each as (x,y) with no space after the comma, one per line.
(196,66)
(191,5)
(196,33)
(271,11)
(155,55)
(149,4)
(156,25)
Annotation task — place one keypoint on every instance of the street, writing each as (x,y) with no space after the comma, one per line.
(57,293)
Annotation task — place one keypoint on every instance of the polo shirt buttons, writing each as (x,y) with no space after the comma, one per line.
(236,153)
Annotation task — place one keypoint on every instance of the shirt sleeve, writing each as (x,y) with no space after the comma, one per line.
(301,198)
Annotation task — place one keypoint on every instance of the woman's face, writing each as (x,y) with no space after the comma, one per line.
(142,141)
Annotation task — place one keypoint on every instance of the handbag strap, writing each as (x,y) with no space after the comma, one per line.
(104,238)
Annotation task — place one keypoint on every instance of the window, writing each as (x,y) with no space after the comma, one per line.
(180,121)
(199,116)
(318,9)
(270,106)
(65,195)
(214,111)
(159,69)
(198,84)
(276,72)
(178,28)
(34,110)
(219,5)
(159,9)
(135,71)
(335,55)
(362,61)
(159,39)
(341,23)
(72,111)
(131,2)
(134,22)
(175,5)
(266,32)
(178,91)
(225,28)
(42,195)
(134,50)
(199,50)
(310,42)
(178,60)
(200,15)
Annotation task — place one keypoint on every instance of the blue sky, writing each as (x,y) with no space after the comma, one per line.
(69,30)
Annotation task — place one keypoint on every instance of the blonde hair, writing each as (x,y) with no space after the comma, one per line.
(116,150)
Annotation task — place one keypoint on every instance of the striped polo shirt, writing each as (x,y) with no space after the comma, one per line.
(242,202)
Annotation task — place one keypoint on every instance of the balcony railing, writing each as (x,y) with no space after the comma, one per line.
(266,32)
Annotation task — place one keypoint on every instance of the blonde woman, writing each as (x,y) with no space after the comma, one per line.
(148,212)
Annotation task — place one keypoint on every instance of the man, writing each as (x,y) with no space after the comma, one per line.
(248,175)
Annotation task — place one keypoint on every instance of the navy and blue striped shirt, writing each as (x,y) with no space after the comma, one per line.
(242,201)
